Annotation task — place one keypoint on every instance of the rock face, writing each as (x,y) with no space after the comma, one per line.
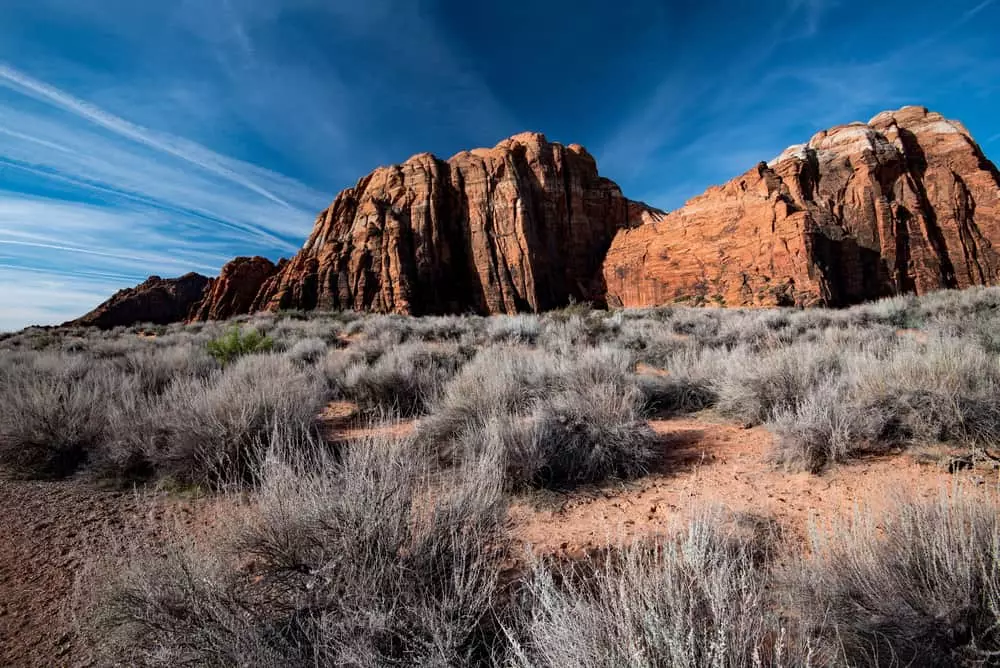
(236,289)
(155,300)
(523,226)
(904,203)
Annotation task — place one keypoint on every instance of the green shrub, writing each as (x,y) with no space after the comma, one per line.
(237,343)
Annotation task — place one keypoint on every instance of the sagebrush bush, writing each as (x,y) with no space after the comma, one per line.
(499,379)
(939,391)
(54,413)
(554,420)
(920,587)
(756,387)
(308,351)
(404,380)
(364,563)
(699,598)
(215,429)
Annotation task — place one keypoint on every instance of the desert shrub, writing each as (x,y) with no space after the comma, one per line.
(920,587)
(499,379)
(404,380)
(307,351)
(697,599)
(572,437)
(671,394)
(361,564)
(755,387)
(217,429)
(554,421)
(689,379)
(54,413)
(237,342)
(699,324)
(826,426)
(134,430)
(155,368)
(563,331)
(516,329)
(941,391)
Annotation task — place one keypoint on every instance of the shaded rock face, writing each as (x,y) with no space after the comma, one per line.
(236,289)
(523,226)
(156,300)
(904,203)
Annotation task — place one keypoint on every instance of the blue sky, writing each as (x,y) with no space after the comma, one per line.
(142,138)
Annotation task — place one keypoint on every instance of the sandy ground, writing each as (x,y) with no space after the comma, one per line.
(709,464)
(50,530)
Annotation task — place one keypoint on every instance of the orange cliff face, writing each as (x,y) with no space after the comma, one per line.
(236,289)
(905,203)
(520,227)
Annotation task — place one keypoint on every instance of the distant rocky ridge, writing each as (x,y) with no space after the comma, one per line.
(906,203)
(156,300)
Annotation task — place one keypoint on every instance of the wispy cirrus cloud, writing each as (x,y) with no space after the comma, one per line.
(85,193)
(134,136)
(47,297)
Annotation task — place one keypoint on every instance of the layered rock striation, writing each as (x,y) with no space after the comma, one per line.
(906,203)
(523,226)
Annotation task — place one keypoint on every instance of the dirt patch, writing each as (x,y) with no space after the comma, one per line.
(341,422)
(50,532)
(708,463)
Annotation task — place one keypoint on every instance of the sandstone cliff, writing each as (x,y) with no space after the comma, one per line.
(236,289)
(520,227)
(904,203)
(156,300)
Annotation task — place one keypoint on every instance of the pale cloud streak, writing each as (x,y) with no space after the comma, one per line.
(176,147)
(113,199)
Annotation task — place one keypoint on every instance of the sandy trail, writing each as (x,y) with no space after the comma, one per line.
(708,463)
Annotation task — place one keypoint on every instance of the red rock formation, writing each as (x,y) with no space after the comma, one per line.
(235,290)
(520,227)
(904,203)
(156,300)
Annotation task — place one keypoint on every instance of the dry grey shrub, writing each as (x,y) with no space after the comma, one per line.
(213,428)
(370,561)
(54,412)
(307,351)
(940,391)
(554,420)
(756,387)
(700,597)
(403,380)
(919,587)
